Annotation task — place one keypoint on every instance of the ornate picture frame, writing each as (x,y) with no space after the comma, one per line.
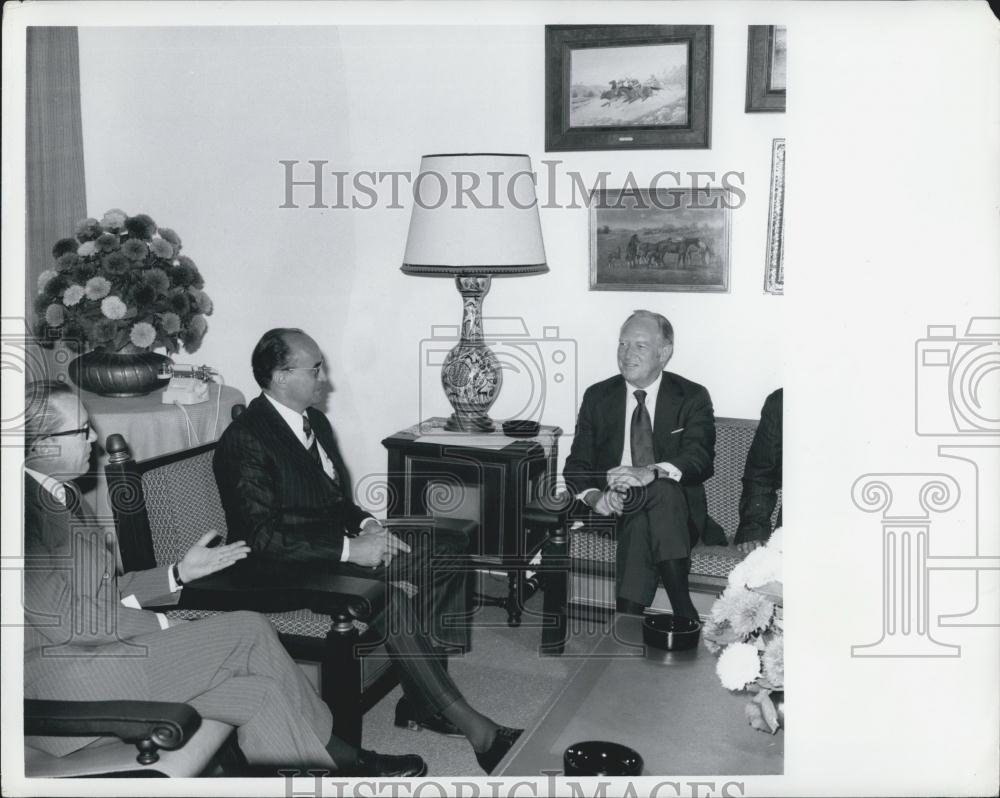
(627,87)
(774,277)
(674,239)
(767,52)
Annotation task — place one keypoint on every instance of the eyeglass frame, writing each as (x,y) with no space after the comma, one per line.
(314,369)
(86,429)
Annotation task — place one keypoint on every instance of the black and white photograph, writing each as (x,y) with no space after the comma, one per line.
(628,87)
(668,240)
(284,517)
(767,66)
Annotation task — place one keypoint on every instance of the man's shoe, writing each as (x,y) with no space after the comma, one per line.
(372,763)
(436,723)
(506,737)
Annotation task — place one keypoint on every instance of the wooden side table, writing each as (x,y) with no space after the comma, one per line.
(484,477)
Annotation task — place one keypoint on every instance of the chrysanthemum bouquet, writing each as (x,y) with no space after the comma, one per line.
(121,284)
(746,631)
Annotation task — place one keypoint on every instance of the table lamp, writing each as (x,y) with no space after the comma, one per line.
(475,217)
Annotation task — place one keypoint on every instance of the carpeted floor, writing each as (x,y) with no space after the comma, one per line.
(503,677)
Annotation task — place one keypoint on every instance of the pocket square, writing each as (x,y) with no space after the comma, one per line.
(675,431)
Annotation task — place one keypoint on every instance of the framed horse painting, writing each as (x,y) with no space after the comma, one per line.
(660,240)
(627,87)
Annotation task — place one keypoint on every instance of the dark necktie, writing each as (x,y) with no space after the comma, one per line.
(314,450)
(641,437)
(313,447)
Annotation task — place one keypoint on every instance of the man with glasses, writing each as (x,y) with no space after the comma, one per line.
(88,638)
(285,486)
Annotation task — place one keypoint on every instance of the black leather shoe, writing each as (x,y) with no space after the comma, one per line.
(506,737)
(372,763)
(436,723)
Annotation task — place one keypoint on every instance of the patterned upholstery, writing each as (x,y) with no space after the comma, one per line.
(593,550)
(182,503)
(732,442)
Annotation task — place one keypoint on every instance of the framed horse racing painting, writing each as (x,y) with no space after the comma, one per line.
(660,240)
(627,87)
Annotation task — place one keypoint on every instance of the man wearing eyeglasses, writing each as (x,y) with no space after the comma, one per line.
(88,638)
(285,486)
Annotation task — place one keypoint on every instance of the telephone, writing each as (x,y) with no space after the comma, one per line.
(188,384)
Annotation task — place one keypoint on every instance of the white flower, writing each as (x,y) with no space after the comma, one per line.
(738,665)
(777,539)
(73,295)
(86,249)
(112,307)
(760,566)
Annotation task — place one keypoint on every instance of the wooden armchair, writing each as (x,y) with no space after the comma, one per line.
(171,739)
(163,505)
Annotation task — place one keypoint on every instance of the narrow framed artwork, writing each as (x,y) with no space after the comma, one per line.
(662,240)
(627,87)
(767,59)
(774,278)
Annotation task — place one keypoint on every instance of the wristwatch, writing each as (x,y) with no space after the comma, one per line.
(176,571)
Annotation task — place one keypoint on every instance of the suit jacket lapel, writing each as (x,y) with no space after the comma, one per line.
(668,403)
(324,435)
(277,428)
(615,411)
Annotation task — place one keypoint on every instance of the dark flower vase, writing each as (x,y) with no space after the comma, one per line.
(118,373)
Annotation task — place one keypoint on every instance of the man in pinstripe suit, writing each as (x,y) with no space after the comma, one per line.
(284,485)
(88,638)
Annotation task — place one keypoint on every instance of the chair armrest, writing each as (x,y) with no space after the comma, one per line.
(149,724)
(244,587)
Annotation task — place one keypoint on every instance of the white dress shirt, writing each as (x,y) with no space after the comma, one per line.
(57,490)
(294,421)
(631,403)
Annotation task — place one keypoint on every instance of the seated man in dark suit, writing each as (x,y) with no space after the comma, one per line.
(761,477)
(284,485)
(87,637)
(644,446)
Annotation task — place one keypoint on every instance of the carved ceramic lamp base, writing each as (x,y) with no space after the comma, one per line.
(471,375)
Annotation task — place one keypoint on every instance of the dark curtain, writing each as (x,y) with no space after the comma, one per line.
(56,199)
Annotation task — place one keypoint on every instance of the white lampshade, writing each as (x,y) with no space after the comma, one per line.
(474,214)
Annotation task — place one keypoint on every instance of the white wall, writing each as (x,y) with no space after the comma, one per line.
(197,146)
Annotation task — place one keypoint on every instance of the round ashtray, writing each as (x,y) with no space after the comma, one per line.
(670,632)
(521,429)
(601,758)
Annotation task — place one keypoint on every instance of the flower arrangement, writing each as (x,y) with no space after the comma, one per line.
(746,631)
(121,284)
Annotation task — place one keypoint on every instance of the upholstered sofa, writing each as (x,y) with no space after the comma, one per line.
(592,547)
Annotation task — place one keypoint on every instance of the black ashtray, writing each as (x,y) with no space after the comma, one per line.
(600,758)
(521,429)
(670,632)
